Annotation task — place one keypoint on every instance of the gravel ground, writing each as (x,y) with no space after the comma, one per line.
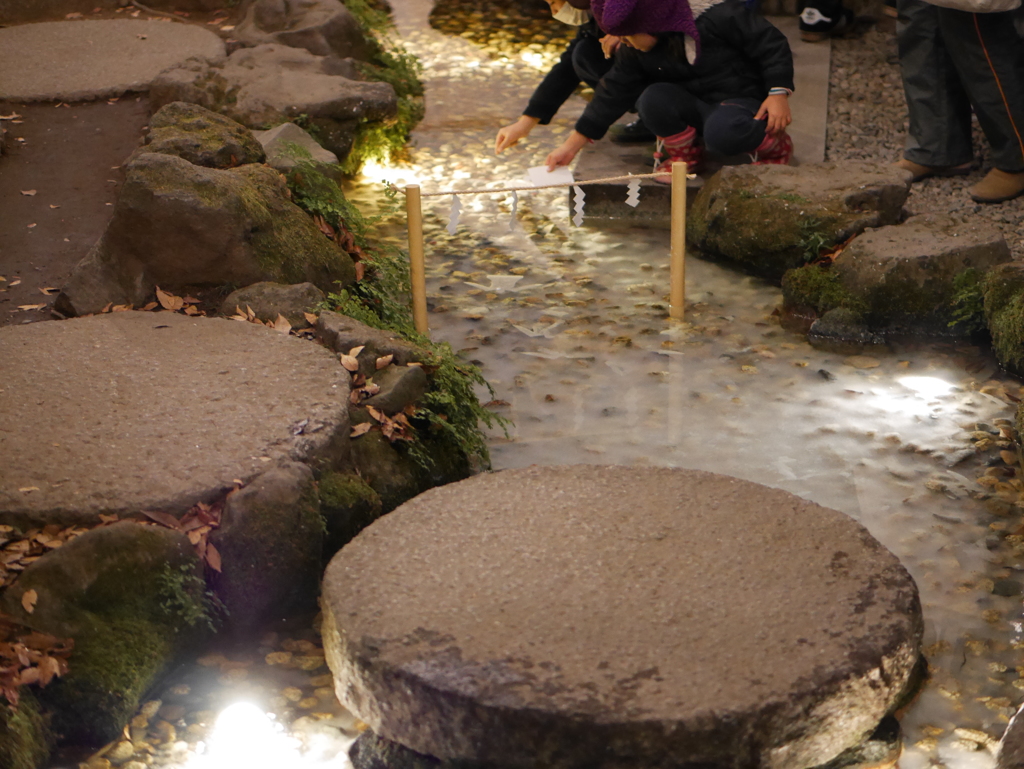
(867,120)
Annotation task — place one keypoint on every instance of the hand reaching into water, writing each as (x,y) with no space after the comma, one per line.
(510,135)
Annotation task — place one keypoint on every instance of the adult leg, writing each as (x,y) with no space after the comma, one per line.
(940,112)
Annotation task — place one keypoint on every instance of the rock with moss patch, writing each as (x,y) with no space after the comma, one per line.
(24,735)
(904,275)
(322,27)
(1003,293)
(842,330)
(201,137)
(348,504)
(270,542)
(342,334)
(387,469)
(400,386)
(133,599)
(176,225)
(272,84)
(771,218)
(287,146)
(268,300)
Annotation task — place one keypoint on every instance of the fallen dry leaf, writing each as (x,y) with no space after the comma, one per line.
(212,557)
(27,489)
(310,318)
(28,192)
(169,301)
(150,306)
(53,206)
(15,282)
(354,352)
(282,325)
(49,290)
(30,307)
(108,518)
(1009,457)
(384,361)
(350,363)
(28,600)
(862,361)
(360,429)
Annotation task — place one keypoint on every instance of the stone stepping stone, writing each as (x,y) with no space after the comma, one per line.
(86,60)
(585,616)
(135,411)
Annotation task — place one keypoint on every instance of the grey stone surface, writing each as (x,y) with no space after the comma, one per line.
(85,60)
(904,274)
(323,27)
(176,225)
(268,300)
(282,156)
(610,616)
(768,219)
(342,333)
(271,84)
(156,411)
(1010,753)
(269,540)
(842,330)
(201,137)
(400,386)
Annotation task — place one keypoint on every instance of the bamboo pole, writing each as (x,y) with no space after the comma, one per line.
(677,273)
(417,268)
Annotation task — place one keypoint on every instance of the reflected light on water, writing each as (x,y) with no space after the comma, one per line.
(245,736)
(373,171)
(926,386)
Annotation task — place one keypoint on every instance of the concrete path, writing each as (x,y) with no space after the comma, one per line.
(85,60)
(588,616)
(137,411)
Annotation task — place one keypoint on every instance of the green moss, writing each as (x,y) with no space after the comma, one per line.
(818,288)
(968,303)
(1003,293)
(184,597)
(348,505)
(25,739)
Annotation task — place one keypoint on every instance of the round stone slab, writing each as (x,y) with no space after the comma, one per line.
(84,60)
(135,411)
(588,616)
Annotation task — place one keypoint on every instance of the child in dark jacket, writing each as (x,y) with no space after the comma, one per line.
(708,69)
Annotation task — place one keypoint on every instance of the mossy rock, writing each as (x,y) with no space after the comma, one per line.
(25,738)
(817,288)
(1003,292)
(109,590)
(387,469)
(202,137)
(348,505)
(769,219)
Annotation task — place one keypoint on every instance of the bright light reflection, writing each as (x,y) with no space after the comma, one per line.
(375,172)
(534,59)
(245,736)
(926,386)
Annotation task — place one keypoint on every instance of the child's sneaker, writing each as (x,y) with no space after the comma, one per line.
(679,148)
(776,149)
(824,19)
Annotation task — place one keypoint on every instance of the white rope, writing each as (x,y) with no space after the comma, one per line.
(503,190)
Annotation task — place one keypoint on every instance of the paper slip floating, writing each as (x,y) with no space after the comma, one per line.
(548,332)
(500,283)
(539,175)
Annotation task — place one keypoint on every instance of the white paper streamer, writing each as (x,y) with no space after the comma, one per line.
(515,208)
(633,193)
(577,198)
(454,215)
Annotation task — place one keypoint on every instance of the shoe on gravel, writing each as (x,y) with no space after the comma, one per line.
(774,149)
(998,186)
(924,172)
(630,133)
(815,26)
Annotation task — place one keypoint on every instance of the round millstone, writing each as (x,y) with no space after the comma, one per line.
(588,616)
(136,411)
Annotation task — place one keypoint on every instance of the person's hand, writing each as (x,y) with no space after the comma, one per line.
(610,44)
(776,110)
(567,151)
(511,134)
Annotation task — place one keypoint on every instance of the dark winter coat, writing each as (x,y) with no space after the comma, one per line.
(742,55)
(559,84)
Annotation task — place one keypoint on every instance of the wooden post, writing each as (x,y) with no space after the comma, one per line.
(677,273)
(417,268)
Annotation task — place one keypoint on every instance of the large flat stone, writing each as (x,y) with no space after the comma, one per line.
(140,411)
(590,616)
(86,60)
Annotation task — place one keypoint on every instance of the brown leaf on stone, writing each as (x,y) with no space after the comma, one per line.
(324,227)
(378,415)
(122,308)
(249,313)
(360,271)
(349,363)
(384,361)
(105,309)
(49,667)
(354,352)
(355,396)
(164,519)
(49,290)
(108,518)
(360,429)
(169,301)
(28,600)
(28,192)
(190,310)
(310,318)
(282,325)
(150,306)
(28,676)
(213,557)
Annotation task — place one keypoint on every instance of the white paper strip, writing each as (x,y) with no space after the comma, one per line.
(453,221)
(633,193)
(540,175)
(515,208)
(578,197)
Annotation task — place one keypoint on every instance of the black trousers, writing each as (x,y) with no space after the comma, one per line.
(953,61)
(728,127)
(589,62)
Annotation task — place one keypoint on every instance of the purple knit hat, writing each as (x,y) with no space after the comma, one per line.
(628,17)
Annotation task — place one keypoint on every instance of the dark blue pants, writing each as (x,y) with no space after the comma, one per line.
(728,128)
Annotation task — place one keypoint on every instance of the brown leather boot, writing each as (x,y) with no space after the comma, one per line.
(998,186)
(924,172)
